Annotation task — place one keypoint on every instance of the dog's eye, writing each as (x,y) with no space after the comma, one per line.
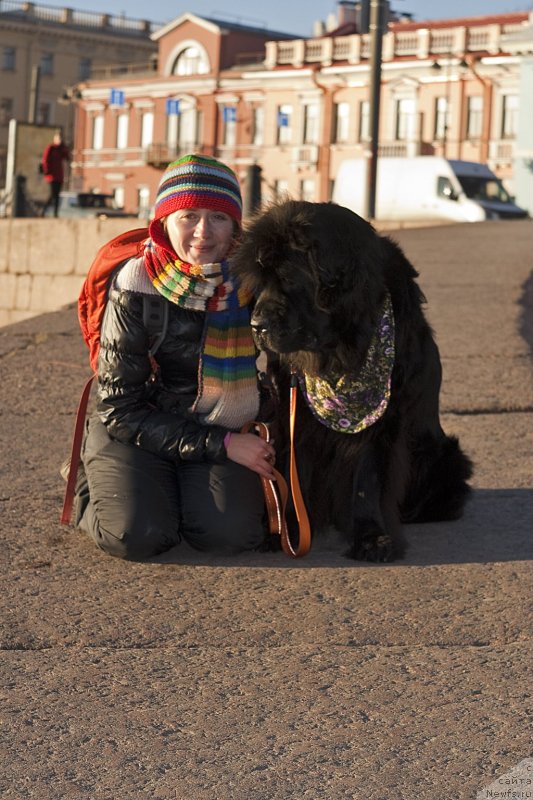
(329,284)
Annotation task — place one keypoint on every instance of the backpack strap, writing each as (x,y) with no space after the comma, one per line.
(155,319)
(77,439)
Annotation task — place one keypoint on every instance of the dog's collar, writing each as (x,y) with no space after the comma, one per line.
(349,404)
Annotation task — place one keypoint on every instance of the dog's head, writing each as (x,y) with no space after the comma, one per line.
(316,272)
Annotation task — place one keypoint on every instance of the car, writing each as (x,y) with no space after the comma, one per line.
(89,204)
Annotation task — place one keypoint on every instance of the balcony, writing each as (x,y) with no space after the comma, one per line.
(305,155)
(501,152)
(157,155)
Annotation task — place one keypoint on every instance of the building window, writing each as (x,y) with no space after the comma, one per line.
(441,118)
(474,117)
(118,197)
(284,122)
(182,131)
(143,202)
(98,132)
(6,111)
(510,116)
(281,189)
(307,190)
(44,114)
(363,132)
(311,121)
(147,128)
(341,123)
(258,119)
(84,69)
(122,131)
(229,126)
(188,129)
(405,119)
(47,64)
(191,61)
(172,134)
(9,59)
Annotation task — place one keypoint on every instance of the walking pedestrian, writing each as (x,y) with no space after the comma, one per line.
(52,162)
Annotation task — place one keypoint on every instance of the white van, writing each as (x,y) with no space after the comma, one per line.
(426,188)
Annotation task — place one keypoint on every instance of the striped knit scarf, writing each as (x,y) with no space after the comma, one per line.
(227,374)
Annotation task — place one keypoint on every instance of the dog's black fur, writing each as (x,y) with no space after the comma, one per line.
(320,274)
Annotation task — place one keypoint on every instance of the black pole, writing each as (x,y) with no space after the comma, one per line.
(252,190)
(376,34)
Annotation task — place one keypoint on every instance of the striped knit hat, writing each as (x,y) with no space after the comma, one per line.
(198,182)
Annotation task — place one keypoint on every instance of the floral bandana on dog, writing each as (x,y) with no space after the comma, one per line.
(349,404)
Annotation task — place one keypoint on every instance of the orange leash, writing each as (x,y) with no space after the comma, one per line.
(276,491)
(79,429)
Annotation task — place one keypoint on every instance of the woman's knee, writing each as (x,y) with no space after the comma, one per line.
(133,508)
(132,542)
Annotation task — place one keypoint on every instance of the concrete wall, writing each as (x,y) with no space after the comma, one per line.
(523,163)
(43,262)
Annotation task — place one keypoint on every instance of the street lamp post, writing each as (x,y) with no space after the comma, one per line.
(376,34)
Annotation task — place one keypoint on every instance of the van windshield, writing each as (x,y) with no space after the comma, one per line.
(92,200)
(477,188)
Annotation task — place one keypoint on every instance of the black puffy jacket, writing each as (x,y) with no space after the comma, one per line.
(153,414)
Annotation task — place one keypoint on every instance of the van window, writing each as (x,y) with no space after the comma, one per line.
(445,188)
(478,188)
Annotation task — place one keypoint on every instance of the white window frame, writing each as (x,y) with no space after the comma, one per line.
(341,130)
(147,128)
(474,117)
(98,132)
(363,134)
(285,131)
(311,126)
(510,109)
(258,123)
(405,119)
(308,190)
(122,130)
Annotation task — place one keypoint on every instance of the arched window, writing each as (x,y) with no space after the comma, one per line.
(192,60)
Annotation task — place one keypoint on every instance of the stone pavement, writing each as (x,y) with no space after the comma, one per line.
(261,678)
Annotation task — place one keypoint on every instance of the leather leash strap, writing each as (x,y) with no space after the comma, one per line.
(277,493)
(77,439)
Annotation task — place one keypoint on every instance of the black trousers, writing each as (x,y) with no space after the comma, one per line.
(134,504)
(53,197)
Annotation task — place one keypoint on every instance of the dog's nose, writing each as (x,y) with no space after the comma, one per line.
(259,324)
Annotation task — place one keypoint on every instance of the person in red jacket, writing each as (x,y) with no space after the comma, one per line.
(52,165)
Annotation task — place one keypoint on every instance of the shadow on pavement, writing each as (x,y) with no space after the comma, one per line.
(496,527)
(526,317)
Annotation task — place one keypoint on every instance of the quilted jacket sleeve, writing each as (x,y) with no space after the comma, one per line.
(127,400)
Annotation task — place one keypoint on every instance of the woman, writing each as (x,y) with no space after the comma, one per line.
(163,459)
(54,156)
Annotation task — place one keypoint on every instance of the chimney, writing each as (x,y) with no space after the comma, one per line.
(345,12)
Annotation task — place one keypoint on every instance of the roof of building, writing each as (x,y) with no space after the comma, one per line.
(221,24)
(463,22)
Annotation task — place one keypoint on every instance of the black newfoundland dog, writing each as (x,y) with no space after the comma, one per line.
(338,305)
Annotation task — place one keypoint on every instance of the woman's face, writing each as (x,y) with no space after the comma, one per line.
(200,235)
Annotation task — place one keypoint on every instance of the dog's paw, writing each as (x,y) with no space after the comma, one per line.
(378,548)
(271,544)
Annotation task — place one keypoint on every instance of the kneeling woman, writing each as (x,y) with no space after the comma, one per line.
(163,459)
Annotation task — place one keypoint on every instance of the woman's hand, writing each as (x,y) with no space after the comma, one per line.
(253,452)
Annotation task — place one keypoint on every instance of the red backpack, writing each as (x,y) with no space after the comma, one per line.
(91,306)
